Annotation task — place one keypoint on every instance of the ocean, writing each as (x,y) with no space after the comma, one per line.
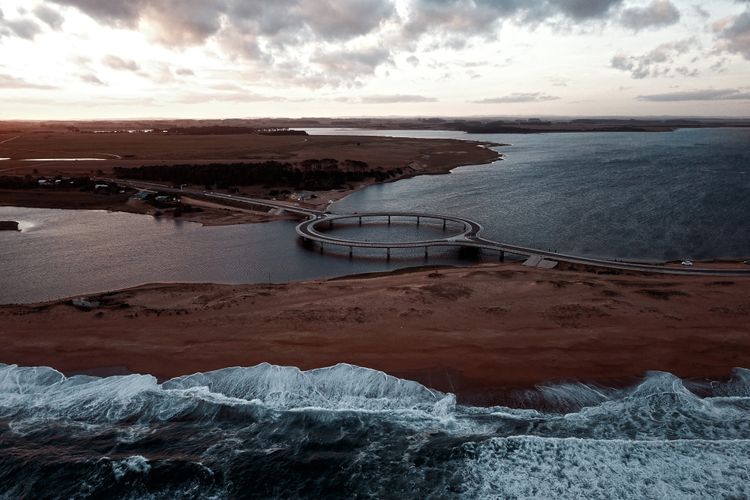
(350,432)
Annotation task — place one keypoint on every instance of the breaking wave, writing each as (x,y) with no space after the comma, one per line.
(349,431)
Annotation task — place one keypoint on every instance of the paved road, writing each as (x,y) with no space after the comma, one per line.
(469,237)
(152,186)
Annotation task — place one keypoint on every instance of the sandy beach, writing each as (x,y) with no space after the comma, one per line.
(477,331)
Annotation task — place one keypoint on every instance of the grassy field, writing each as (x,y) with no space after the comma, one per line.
(124,149)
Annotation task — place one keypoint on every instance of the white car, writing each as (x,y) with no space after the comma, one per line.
(687,262)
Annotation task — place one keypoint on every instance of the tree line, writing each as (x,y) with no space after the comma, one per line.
(313,176)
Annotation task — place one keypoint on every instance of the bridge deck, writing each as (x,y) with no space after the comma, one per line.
(469,238)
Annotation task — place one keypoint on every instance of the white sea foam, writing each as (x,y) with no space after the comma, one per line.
(657,439)
(531,467)
(660,407)
(135,464)
(342,386)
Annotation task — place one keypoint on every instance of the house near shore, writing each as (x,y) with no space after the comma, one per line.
(302,196)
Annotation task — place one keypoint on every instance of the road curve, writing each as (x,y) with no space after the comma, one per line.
(469,238)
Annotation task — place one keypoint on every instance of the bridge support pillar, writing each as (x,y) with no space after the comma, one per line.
(425,253)
(360,221)
(389,220)
(444,224)
(417,221)
(502,256)
(387,254)
(330,224)
(351,252)
(321,248)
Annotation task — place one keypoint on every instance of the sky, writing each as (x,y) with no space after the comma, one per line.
(92,59)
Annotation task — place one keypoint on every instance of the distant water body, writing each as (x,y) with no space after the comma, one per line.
(639,196)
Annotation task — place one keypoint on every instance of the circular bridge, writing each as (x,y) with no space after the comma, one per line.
(470,229)
(468,238)
(308,230)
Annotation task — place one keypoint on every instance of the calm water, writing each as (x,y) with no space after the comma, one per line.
(60,253)
(661,196)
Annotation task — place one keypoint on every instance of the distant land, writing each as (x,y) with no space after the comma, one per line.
(285,126)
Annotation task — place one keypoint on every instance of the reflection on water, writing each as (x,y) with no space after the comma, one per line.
(617,195)
(65,252)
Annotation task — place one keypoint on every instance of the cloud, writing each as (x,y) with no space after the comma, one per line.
(12,82)
(92,79)
(118,63)
(518,97)
(734,34)
(49,16)
(237,96)
(655,63)
(339,63)
(22,28)
(184,72)
(179,22)
(656,14)
(698,95)
(270,38)
(701,12)
(396,98)
(461,18)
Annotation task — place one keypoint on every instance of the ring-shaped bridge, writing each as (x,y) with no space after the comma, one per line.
(308,230)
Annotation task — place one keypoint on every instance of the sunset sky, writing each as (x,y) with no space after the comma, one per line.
(65,59)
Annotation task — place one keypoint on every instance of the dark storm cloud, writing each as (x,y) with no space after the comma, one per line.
(519,97)
(734,34)
(656,14)
(698,95)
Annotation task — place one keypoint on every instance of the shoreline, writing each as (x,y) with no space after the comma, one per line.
(482,332)
(430,161)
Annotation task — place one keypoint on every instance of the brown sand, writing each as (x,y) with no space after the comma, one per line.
(469,330)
